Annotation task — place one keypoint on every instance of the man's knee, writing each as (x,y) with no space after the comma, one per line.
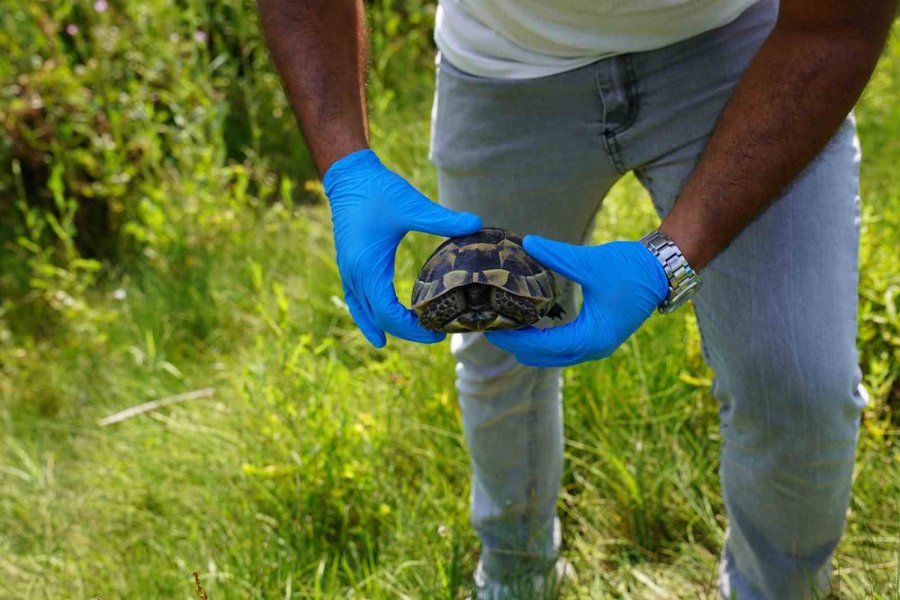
(789,438)
(791,406)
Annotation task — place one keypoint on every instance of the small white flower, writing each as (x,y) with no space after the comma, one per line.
(120,294)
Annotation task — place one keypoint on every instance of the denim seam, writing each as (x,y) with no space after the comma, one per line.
(608,139)
(632,107)
(531,516)
(612,149)
(631,96)
(704,350)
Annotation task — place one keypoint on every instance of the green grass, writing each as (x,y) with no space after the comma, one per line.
(320,467)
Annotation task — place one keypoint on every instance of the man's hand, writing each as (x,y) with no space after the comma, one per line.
(622,283)
(372,209)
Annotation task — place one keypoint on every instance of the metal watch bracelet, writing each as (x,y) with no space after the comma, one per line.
(683,280)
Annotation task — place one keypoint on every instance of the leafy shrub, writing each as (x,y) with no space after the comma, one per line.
(146,130)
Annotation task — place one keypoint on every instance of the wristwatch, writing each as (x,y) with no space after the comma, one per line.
(683,280)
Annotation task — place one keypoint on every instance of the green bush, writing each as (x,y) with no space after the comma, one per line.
(134,132)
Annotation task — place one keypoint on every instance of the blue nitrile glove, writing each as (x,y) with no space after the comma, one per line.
(622,284)
(372,209)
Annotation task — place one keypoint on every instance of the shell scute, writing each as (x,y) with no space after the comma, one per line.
(524,290)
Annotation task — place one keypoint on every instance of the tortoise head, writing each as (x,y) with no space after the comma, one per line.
(480,282)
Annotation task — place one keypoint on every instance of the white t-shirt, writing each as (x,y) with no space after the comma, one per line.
(521,39)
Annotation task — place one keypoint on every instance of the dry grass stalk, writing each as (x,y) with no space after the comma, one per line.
(200,589)
(207,392)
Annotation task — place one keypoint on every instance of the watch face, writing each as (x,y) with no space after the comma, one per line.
(673,303)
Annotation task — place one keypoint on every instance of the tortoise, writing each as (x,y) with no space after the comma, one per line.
(484,281)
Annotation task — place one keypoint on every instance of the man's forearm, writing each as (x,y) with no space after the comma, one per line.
(319,49)
(792,99)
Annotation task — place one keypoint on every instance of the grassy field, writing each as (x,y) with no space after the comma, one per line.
(307,464)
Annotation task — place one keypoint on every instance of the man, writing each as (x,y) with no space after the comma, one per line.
(734,115)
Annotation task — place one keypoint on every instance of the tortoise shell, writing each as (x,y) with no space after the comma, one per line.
(483,281)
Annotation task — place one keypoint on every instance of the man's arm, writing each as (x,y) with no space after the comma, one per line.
(319,49)
(793,97)
(791,100)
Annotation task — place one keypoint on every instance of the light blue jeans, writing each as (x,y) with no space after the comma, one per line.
(777,310)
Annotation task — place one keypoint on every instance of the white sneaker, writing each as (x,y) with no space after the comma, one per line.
(540,587)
